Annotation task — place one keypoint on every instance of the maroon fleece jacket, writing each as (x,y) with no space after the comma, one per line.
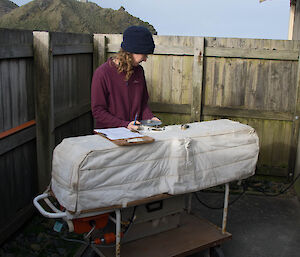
(115,102)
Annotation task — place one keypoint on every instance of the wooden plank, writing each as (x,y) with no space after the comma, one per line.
(17,180)
(19,138)
(297,144)
(246,53)
(43,63)
(16,88)
(177,68)
(15,51)
(157,64)
(17,129)
(282,132)
(197,79)
(174,50)
(221,111)
(16,223)
(246,113)
(72,49)
(157,81)
(166,71)
(72,76)
(160,49)
(66,115)
(170,108)
(295,132)
(187,74)
(268,44)
(165,78)
(147,66)
(99,50)
(84,71)
(291,55)
(193,235)
(251,84)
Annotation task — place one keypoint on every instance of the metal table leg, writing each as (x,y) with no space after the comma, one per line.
(118,232)
(225,210)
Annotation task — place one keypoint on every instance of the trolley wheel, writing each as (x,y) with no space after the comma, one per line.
(216,252)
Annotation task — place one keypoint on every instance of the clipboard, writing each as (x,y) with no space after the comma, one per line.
(128,140)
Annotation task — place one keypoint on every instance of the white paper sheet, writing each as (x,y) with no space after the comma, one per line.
(118,133)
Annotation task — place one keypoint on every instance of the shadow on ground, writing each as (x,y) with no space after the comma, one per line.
(261,226)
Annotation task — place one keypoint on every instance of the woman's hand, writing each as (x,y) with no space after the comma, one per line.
(133,127)
(155,118)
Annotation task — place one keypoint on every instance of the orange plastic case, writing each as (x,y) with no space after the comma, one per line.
(83,225)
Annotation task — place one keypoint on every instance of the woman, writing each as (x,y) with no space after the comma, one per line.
(119,94)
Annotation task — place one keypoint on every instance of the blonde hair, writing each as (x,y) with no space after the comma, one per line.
(124,63)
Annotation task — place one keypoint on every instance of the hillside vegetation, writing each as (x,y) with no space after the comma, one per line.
(6,6)
(70,16)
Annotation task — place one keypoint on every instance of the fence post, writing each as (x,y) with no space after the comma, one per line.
(99,50)
(197,79)
(99,55)
(297,169)
(294,162)
(44,115)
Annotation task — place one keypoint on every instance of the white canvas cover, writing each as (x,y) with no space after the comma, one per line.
(90,171)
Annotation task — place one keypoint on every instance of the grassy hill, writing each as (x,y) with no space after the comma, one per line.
(70,16)
(6,6)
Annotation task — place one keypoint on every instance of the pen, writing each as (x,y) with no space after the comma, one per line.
(135,119)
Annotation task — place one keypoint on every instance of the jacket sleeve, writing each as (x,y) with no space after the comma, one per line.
(146,112)
(100,103)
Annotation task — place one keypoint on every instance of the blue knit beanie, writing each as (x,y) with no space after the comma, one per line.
(138,40)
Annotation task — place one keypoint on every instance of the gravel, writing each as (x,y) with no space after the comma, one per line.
(37,238)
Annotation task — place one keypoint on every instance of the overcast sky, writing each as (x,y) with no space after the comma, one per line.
(214,18)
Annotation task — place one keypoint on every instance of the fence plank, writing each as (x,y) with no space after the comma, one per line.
(170,108)
(99,50)
(43,63)
(222,111)
(10,142)
(246,53)
(15,51)
(66,115)
(160,49)
(240,112)
(16,129)
(197,79)
(291,55)
(296,125)
(72,49)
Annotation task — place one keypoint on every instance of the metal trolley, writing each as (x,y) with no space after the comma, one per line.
(193,235)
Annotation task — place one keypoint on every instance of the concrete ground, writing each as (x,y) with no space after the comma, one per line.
(261,226)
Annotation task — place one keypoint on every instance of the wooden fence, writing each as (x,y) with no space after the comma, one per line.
(63,75)
(18,169)
(253,81)
(45,96)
